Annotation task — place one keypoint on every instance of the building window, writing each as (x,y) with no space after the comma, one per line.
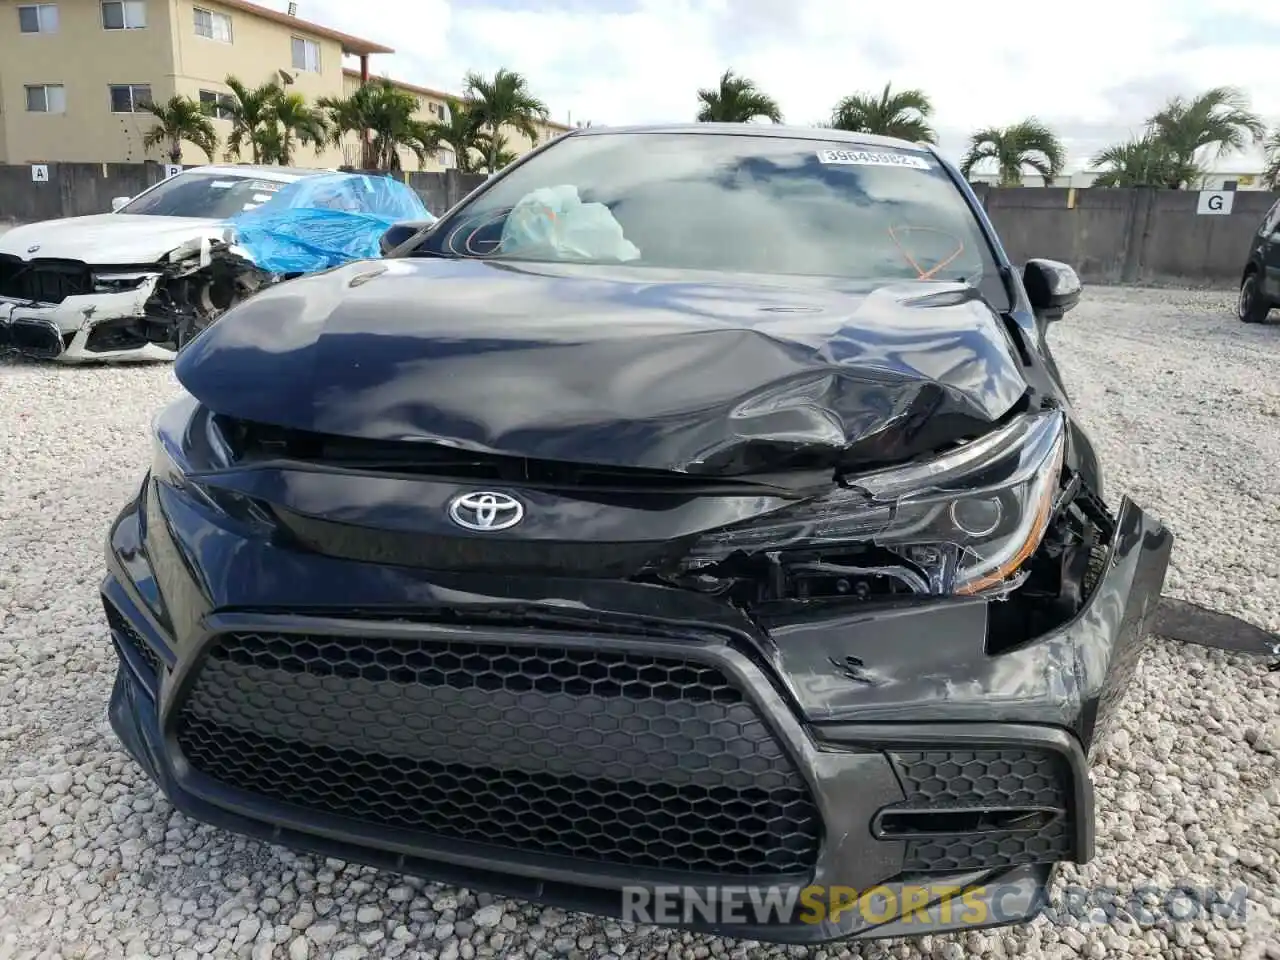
(306,55)
(38,18)
(124,14)
(217,105)
(129,97)
(214,26)
(46,98)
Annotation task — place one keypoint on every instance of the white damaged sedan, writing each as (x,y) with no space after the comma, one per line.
(73,289)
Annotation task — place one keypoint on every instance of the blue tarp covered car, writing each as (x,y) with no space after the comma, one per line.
(325,221)
(312,224)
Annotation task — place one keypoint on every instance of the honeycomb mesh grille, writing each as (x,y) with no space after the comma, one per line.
(622,759)
(946,780)
(125,632)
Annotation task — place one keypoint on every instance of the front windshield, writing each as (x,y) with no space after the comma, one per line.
(215,195)
(735,203)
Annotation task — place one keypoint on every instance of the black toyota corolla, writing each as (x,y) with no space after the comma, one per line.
(694,506)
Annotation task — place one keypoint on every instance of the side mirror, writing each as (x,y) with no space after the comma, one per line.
(1053,287)
(118,202)
(398,233)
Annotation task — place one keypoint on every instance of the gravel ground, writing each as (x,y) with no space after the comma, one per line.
(94,863)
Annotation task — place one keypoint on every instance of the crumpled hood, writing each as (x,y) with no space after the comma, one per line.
(107,238)
(618,367)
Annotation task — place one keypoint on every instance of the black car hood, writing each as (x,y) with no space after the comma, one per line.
(623,367)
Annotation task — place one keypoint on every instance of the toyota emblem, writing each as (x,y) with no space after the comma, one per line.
(485,511)
(33,248)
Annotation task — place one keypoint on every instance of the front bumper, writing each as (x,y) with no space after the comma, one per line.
(865,785)
(80,329)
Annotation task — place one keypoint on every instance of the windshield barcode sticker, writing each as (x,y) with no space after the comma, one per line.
(866,158)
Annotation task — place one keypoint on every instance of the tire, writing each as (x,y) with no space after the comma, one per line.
(1251,307)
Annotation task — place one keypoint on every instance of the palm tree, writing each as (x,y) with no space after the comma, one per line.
(903,114)
(1218,118)
(1026,144)
(252,117)
(504,101)
(1271,176)
(297,121)
(502,156)
(460,130)
(736,100)
(387,113)
(351,114)
(1144,161)
(181,118)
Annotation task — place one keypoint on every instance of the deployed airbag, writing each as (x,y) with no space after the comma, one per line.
(553,222)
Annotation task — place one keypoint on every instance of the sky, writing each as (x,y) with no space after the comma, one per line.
(1092,69)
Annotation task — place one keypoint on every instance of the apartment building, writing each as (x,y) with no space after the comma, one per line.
(432,105)
(73,74)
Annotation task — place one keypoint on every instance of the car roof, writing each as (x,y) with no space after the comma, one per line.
(261,171)
(828,134)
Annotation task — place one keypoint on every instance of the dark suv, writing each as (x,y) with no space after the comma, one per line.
(1260,285)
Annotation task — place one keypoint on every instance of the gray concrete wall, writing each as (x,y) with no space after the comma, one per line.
(1129,236)
(78,189)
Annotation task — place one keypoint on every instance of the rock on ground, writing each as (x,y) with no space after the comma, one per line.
(1184,405)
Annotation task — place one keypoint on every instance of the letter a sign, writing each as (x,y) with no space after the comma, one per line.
(1215,202)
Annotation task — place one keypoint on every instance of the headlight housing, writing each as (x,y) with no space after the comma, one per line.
(188,451)
(966,521)
(120,281)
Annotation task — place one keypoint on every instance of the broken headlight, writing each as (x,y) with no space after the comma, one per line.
(120,281)
(966,521)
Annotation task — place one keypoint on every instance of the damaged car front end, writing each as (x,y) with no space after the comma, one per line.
(757,564)
(311,225)
(76,290)
(181,254)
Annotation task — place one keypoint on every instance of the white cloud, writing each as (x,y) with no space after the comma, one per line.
(1092,69)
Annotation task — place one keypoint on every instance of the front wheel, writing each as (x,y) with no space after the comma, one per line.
(1252,307)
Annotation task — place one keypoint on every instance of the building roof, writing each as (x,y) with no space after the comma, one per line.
(350,44)
(438,94)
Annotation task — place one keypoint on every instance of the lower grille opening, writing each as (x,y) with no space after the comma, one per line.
(35,338)
(115,335)
(979,809)
(127,635)
(910,823)
(619,759)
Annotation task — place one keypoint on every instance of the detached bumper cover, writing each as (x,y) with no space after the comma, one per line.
(563,761)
